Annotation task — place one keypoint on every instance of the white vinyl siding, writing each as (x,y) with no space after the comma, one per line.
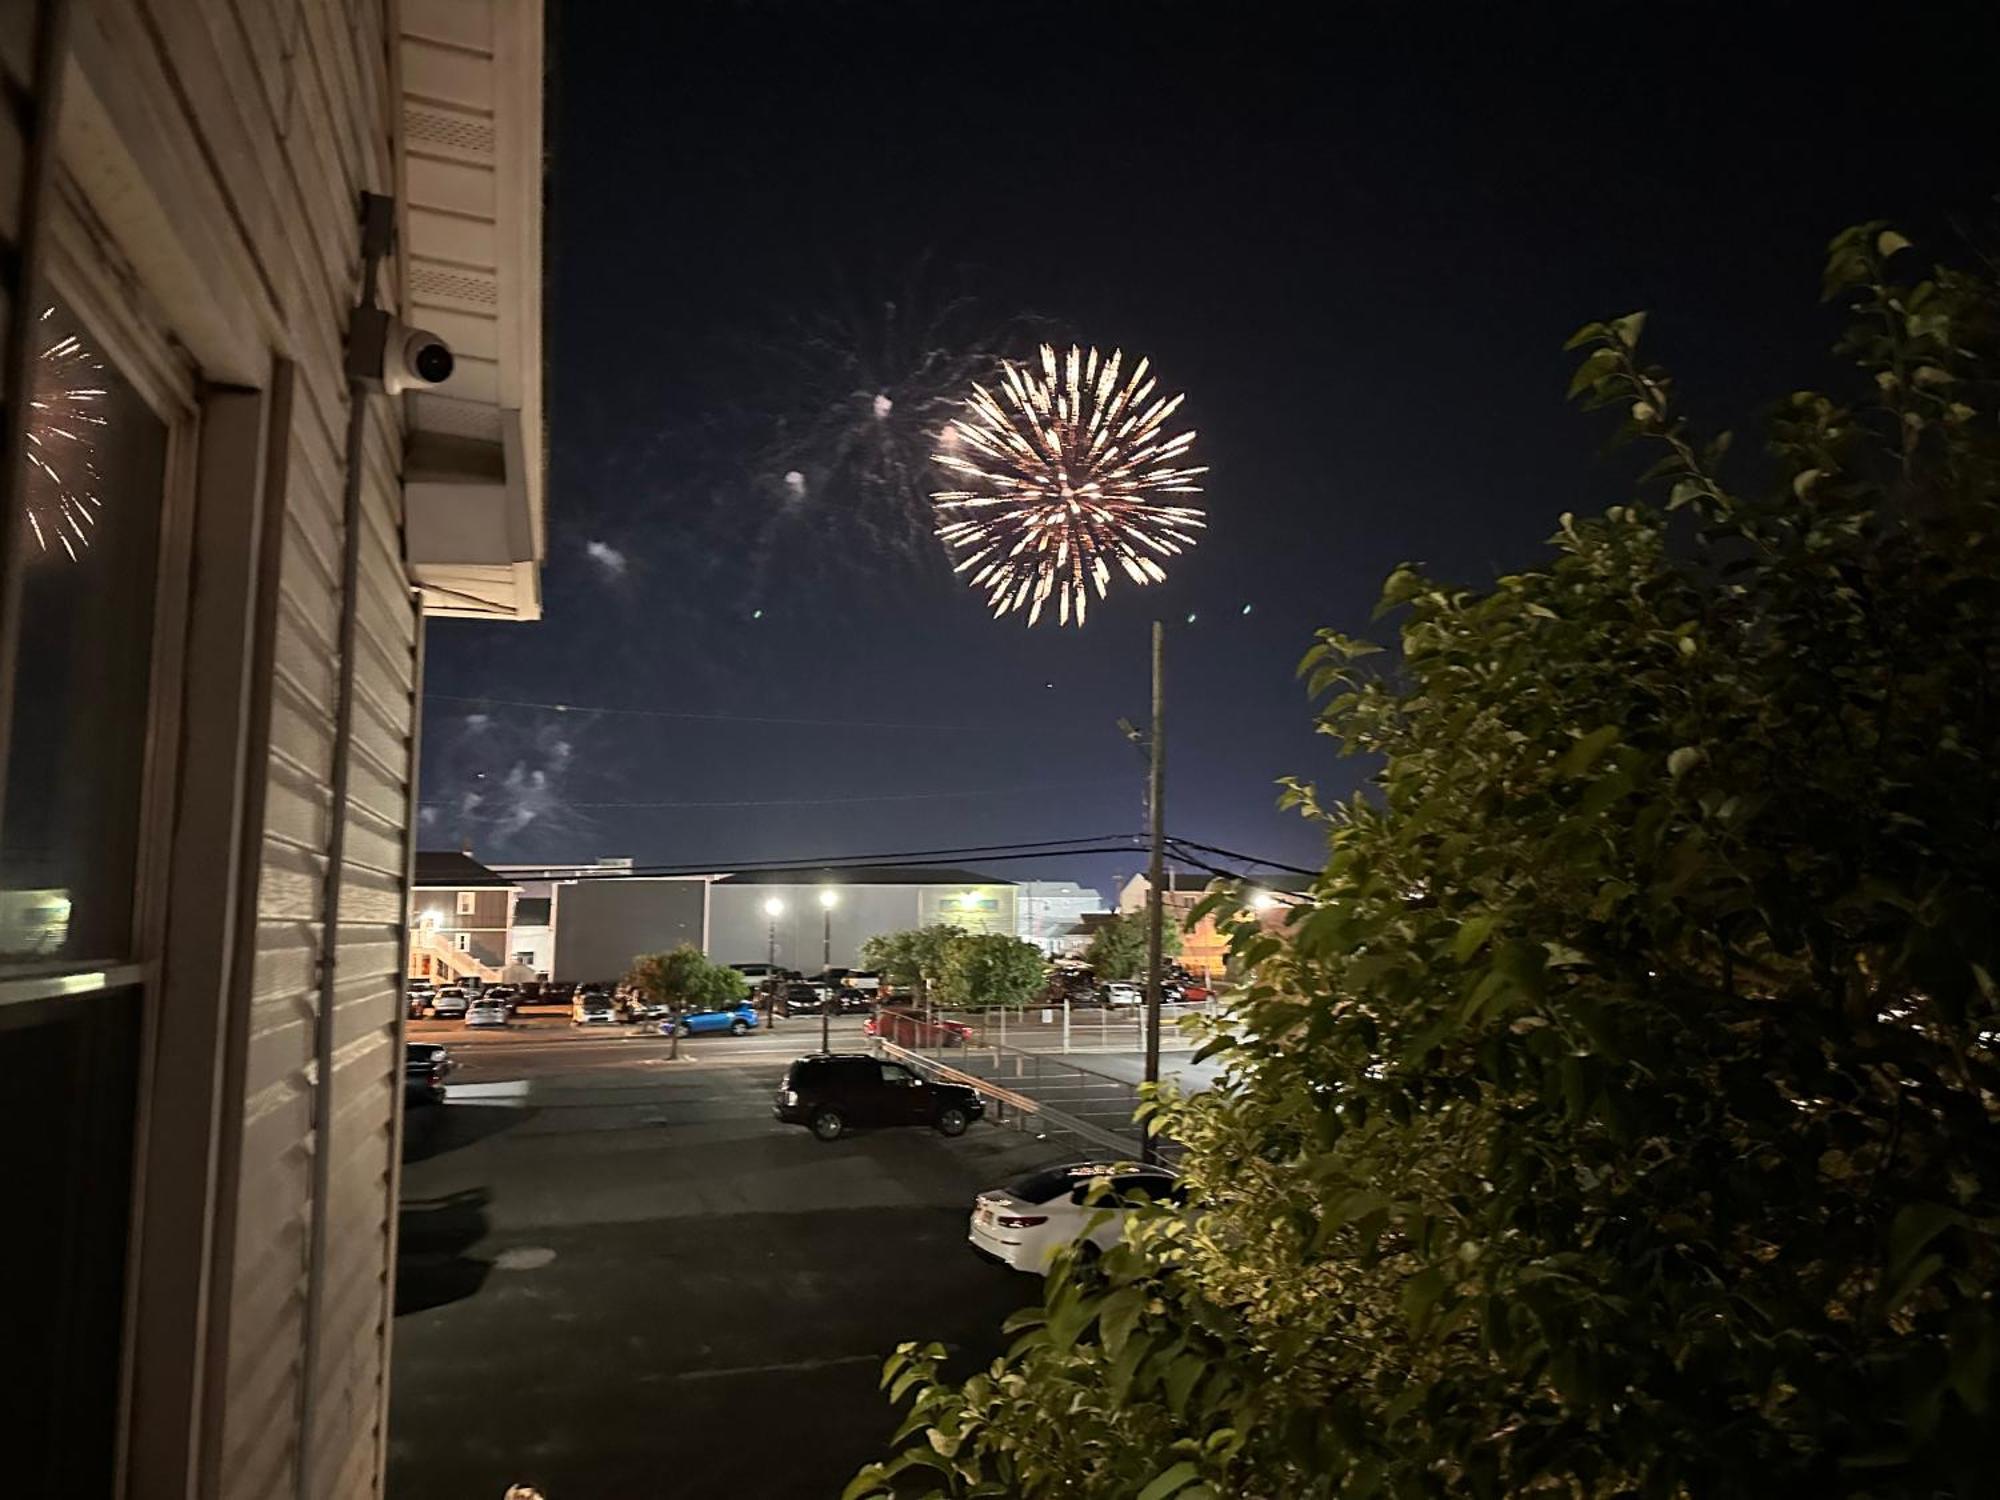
(282,114)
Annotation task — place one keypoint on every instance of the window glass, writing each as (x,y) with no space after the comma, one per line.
(90,539)
(468,903)
(897,1075)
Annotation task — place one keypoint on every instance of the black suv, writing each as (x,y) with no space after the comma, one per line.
(829,1093)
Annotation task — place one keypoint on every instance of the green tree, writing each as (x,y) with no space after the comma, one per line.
(1619,1116)
(1117,948)
(991,969)
(915,958)
(685,979)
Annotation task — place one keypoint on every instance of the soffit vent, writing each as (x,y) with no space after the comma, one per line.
(450,284)
(447,130)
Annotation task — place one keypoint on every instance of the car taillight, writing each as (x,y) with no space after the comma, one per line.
(1021,1221)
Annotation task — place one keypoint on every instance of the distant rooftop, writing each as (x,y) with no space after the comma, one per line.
(866,875)
(449,870)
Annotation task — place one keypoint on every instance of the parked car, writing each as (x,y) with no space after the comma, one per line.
(592,1009)
(418,993)
(424,1067)
(507,994)
(800,998)
(487,1011)
(450,1001)
(832,1092)
(907,1028)
(639,1008)
(734,1019)
(1024,1224)
(1121,994)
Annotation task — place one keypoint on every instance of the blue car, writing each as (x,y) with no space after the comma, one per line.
(734,1019)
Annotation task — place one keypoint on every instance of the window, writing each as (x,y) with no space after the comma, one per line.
(462,941)
(468,903)
(76,756)
(898,1076)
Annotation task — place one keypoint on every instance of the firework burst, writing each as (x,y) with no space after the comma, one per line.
(1066,474)
(65,415)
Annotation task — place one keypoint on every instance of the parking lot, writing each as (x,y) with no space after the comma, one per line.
(620,1277)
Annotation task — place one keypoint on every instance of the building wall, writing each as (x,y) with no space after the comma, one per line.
(224,145)
(602,925)
(485,928)
(532,947)
(1047,910)
(740,930)
(303,125)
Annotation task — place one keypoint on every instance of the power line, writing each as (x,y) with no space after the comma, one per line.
(689,717)
(1108,843)
(997,791)
(1248,859)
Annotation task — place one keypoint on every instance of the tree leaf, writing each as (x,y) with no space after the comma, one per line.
(1171,1481)
(1582,755)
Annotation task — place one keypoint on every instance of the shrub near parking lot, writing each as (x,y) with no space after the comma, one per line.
(1619,1115)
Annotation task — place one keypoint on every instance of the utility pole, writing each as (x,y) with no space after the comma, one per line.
(827,901)
(1156,782)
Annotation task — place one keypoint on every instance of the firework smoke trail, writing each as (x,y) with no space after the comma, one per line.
(1064,474)
(64,418)
(855,400)
(495,786)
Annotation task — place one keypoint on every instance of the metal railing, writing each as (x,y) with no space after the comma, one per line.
(1024,1103)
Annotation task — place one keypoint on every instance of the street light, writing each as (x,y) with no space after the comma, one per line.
(774,909)
(828,900)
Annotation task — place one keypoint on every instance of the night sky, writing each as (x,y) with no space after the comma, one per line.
(1358,243)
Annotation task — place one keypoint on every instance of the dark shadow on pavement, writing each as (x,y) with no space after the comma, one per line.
(432,1236)
(433,1129)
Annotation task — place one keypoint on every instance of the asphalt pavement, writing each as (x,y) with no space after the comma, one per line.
(619,1277)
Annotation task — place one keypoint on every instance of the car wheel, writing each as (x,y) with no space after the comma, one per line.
(828,1125)
(951,1120)
(738,1027)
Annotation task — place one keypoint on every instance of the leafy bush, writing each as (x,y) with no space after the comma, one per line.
(987,969)
(1619,1118)
(685,979)
(914,959)
(1117,948)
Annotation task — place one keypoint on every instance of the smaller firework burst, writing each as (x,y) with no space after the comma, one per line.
(1067,472)
(65,417)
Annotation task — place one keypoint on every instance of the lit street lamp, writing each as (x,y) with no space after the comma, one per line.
(774,909)
(828,900)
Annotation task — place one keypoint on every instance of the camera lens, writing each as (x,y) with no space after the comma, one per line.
(433,363)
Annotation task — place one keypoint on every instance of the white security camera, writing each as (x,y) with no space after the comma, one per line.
(388,355)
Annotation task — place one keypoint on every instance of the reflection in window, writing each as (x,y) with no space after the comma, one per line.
(75,760)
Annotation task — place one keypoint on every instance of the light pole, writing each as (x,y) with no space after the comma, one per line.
(827,901)
(774,909)
(1156,796)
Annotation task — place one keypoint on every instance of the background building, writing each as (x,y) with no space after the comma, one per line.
(463,920)
(208,702)
(1048,912)
(1204,949)
(600,925)
(867,902)
(531,945)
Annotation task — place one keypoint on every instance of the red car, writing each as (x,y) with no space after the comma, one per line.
(908,1029)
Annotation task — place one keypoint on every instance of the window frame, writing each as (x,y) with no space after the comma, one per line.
(86,272)
(468,904)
